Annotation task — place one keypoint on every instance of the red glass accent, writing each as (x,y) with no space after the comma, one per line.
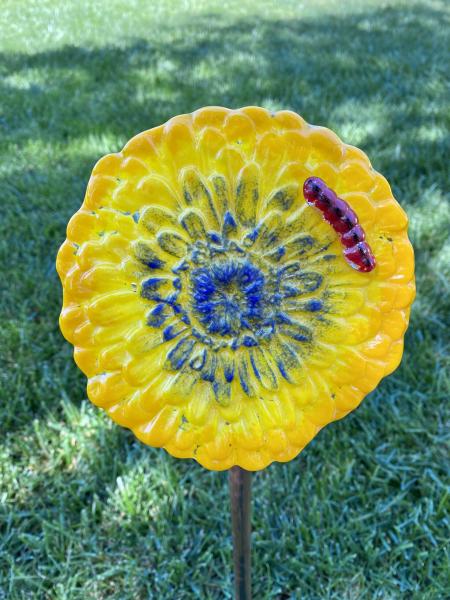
(312,187)
(344,221)
(352,237)
(360,257)
(336,213)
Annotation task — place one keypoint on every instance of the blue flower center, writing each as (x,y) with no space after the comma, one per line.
(228,297)
(237,304)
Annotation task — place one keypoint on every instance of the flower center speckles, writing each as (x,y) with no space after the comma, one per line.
(228,297)
(235,304)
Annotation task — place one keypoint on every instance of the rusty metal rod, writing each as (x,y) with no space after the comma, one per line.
(240,496)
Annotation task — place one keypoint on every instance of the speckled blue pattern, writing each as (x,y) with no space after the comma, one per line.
(228,296)
(233,311)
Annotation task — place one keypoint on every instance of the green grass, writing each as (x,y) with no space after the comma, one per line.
(86,511)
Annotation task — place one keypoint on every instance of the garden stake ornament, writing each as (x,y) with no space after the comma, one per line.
(234,281)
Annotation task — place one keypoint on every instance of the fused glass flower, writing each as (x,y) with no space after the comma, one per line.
(213,309)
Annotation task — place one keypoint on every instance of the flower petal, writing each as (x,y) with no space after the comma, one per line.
(193,223)
(263,369)
(172,243)
(179,354)
(197,194)
(284,198)
(247,195)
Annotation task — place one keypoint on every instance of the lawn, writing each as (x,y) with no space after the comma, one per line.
(86,511)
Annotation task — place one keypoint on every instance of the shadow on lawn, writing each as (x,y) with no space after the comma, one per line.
(388,56)
(330,70)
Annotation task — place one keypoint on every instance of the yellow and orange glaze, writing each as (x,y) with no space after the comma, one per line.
(211,308)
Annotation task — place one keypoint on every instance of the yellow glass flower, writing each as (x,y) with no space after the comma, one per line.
(211,307)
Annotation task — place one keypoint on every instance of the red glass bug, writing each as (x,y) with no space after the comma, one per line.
(344,221)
